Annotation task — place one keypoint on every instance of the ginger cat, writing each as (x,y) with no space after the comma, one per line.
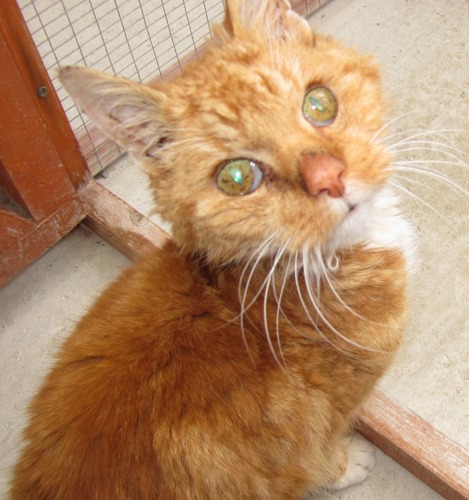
(230,364)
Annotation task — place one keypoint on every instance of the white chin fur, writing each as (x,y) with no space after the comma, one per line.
(375,222)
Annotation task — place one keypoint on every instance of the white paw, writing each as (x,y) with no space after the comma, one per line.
(361,461)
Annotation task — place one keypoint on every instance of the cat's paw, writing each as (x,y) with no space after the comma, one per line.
(360,462)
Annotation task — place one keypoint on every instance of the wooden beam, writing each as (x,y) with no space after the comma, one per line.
(118,223)
(12,227)
(400,433)
(25,242)
(30,81)
(416,445)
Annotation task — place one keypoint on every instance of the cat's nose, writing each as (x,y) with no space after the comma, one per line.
(322,173)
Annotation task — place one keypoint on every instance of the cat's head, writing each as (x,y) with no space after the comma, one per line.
(268,137)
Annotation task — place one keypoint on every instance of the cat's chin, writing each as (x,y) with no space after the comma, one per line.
(371,217)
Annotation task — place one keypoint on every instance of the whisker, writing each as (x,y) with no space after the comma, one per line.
(280,310)
(278,299)
(420,133)
(243,296)
(179,143)
(278,257)
(402,167)
(387,125)
(426,139)
(306,261)
(413,181)
(305,307)
(432,162)
(303,303)
(414,196)
(326,274)
(447,154)
(333,262)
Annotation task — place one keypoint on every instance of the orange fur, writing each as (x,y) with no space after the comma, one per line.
(187,379)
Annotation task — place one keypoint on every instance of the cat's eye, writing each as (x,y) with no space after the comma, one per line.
(320,106)
(239,177)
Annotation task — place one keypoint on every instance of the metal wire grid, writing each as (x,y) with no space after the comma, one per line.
(142,40)
(307,7)
(138,39)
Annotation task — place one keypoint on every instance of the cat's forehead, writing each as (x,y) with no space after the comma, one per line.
(230,90)
(262,78)
(243,81)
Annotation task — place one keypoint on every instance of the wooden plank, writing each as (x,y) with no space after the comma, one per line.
(24,78)
(28,246)
(40,166)
(416,445)
(32,166)
(118,223)
(12,227)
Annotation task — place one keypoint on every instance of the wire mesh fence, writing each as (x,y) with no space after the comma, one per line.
(143,40)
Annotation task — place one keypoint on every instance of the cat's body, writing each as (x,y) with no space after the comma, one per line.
(157,396)
(231,363)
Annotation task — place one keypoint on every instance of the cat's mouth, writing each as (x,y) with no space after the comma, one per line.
(351,206)
(354,216)
(359,210)
(356,196)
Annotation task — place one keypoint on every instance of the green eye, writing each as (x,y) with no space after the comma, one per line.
(239,177)
(320,106)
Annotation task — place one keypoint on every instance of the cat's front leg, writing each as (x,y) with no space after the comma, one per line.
(356,461)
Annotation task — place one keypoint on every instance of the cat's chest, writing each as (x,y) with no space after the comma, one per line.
(358,307)
(377,223)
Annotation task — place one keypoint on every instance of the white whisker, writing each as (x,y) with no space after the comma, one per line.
(387,125)
(419,133)
(417,198)
(243,296)
(303,303)
(447,154)
(313,302)
(270,276)
(413,181)
(306,262)
(261,252)
(402,167)
(431,162)
(326,274)
(278,299)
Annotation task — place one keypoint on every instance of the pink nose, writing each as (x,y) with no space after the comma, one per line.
(321,174)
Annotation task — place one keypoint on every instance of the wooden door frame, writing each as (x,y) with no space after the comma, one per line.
(400,433)
(41,167)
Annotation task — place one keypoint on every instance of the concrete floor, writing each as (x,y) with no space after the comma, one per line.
(423,48)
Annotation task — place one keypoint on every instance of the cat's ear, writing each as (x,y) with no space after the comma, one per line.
(128,112)
(270,18)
